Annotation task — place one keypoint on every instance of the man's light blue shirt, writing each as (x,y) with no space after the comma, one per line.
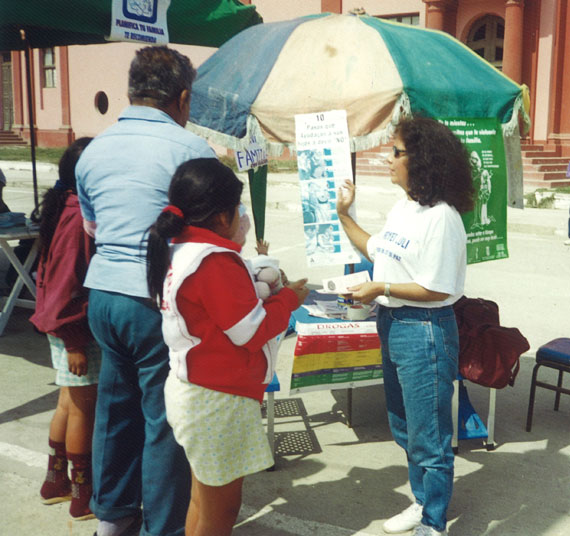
(123,177)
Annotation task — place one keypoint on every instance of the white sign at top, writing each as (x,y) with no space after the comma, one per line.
(141,21)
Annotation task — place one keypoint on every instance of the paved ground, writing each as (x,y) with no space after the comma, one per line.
(342,481)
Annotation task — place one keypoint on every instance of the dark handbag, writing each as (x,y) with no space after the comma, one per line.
(488,353)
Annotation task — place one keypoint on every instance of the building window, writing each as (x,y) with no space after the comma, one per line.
(48,67)
(412,20)
(101,102)
(486,39)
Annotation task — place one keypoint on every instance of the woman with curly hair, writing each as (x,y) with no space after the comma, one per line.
(419,271)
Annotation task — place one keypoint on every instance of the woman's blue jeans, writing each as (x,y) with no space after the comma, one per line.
(135,457)
(419,356)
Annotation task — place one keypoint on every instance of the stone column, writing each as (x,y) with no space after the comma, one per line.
(331,6)
(559,117)
(17,92)
(65,95)
(441,15)
(513,42)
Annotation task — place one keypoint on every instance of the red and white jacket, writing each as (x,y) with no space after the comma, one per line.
(220,334)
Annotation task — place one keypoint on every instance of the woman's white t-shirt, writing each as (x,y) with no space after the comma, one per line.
(421,244)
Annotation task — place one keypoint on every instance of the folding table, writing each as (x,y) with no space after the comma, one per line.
(8,234)
(466,422)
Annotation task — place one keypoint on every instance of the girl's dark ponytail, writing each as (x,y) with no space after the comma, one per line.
(200,189)
(169,224)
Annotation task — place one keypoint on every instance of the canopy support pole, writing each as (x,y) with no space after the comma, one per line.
(258,192)
(31,114)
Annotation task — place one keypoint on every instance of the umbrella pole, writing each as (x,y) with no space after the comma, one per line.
(353,164)
(31,114)
(351,271)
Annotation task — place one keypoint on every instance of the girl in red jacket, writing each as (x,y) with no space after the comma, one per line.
(61,312)
(221,337)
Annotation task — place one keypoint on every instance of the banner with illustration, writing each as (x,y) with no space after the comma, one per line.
(324,163)
(336,355)
(486,225)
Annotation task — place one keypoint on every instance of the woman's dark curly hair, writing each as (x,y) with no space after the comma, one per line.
(438,164)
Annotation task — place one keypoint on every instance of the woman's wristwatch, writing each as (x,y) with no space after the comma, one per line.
(387,290)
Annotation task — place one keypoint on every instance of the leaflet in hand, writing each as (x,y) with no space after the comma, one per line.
(340,285)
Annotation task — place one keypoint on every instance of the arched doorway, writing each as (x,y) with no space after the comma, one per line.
(486,39)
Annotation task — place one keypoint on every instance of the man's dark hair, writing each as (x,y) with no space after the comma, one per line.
(159,73)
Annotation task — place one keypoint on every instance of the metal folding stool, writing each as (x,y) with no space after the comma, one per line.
(556,355)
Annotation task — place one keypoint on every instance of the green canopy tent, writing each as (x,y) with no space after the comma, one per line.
(69,22)
(26,24)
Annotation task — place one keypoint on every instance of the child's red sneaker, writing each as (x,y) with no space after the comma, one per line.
(81,487)
(57,486)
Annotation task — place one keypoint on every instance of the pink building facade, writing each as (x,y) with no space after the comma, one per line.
(80,90)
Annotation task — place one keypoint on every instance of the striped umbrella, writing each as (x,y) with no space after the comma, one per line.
(374,69)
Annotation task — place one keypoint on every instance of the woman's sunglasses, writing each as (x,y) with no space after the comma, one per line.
(398,152)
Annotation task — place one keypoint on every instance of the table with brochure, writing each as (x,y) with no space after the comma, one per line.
(333,352)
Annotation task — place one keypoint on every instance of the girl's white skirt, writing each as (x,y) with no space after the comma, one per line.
(222,434)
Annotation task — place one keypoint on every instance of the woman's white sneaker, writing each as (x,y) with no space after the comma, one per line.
(410,518)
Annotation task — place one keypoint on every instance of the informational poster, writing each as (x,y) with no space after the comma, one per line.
(323,160)
(142,21)
(336,355)
(486,225)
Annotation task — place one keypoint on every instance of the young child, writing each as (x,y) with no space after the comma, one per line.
(268,277)
(61,312)
(216,328)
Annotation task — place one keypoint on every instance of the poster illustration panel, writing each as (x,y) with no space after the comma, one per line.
(323,160)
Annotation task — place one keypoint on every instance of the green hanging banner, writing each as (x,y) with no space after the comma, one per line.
(258,192)
(486,225)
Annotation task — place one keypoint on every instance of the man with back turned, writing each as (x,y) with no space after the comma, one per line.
(123,180)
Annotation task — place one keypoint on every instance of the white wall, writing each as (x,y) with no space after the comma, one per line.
(105,68)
